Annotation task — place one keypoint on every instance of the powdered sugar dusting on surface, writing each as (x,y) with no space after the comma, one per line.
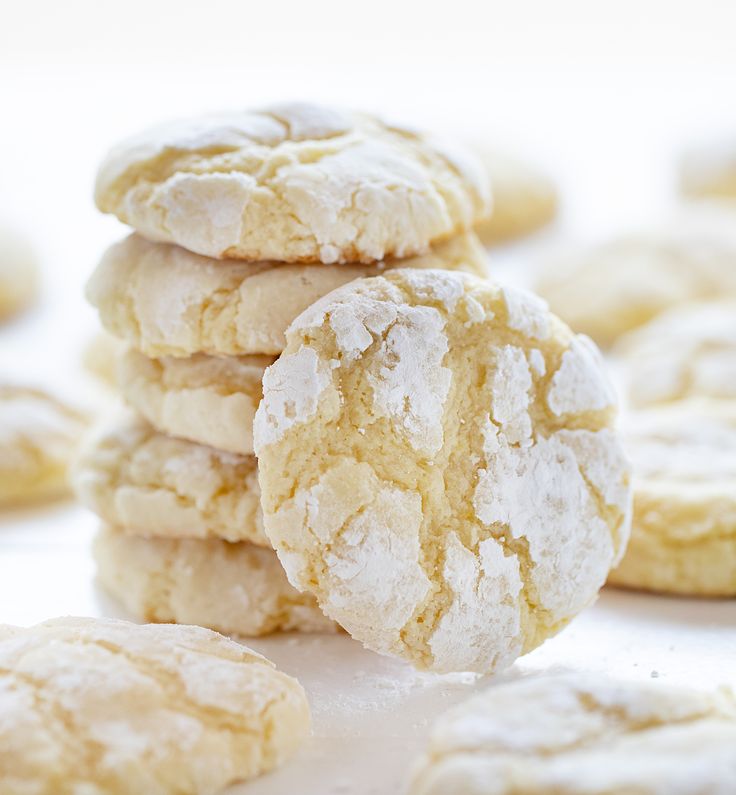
(292,388)
(412,386)
(580,384)
(481,628)
(527,313)
(510,394)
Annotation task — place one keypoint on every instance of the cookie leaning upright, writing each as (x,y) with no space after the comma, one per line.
(438,466)
(293,183)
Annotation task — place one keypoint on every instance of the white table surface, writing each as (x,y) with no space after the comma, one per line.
(603,95)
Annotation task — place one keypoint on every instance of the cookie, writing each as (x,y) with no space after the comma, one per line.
(683,537)
(524,199)
(685,352)
(438,466)
(709,171)
(100,706)
(207,399)
(19,278)
(166,301)
(613,288)
(38,437)
(132,476)
(100,358)
(294,183)
(583,734)
(237,589)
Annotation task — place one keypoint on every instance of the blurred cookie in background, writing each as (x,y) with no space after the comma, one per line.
(100,357)
(19,275)
(38,438)
(688,351)
(709,171)
(524,198)
(683,536)
(609,289)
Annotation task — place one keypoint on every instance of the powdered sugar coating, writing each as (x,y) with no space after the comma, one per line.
(293,183)
(494,535)
(582,735)
(96,705)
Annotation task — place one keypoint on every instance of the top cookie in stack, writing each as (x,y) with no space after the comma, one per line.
(241,222)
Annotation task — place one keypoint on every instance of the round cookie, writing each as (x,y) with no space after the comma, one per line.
(100,706)
(438,466)
(237,588)
(38,437)
(524,199)
(134,477)
(167,301)
(709,171)
(683,537)
(19,279)
(582,734)
(613,288)
(294,183)
(685,352)
(207,399)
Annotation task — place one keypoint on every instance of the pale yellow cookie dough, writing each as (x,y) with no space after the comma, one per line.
(38,437)
(167,301)
(100,707)
(685,352)
(19,277)
(524,199)
(683,537)
(151,484)
(100,357)
(294,183)
(613,288)
(207,399)
(237,588)
(438,466)
(583,734)
(710,171)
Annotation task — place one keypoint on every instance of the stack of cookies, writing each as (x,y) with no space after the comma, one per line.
(241,221)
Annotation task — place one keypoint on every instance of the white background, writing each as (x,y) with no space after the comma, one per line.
(602,94)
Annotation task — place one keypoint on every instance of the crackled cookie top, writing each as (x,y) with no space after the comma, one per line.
(38,437)
(101,706)
(207,399)
(236,588)
(689,351)
(583,734)
(167,301)
(294,183)
(438,466)
(134,477)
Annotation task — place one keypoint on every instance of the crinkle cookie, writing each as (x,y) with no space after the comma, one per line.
(583,734)
(234,588)
(438,466)
(710,171)
(524,199)
(169,302)
(134,477)
(207,399)
(19,280)
(294,183)
(38,437)
(685,352)
(621,285)
(683,537)
(101,707)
